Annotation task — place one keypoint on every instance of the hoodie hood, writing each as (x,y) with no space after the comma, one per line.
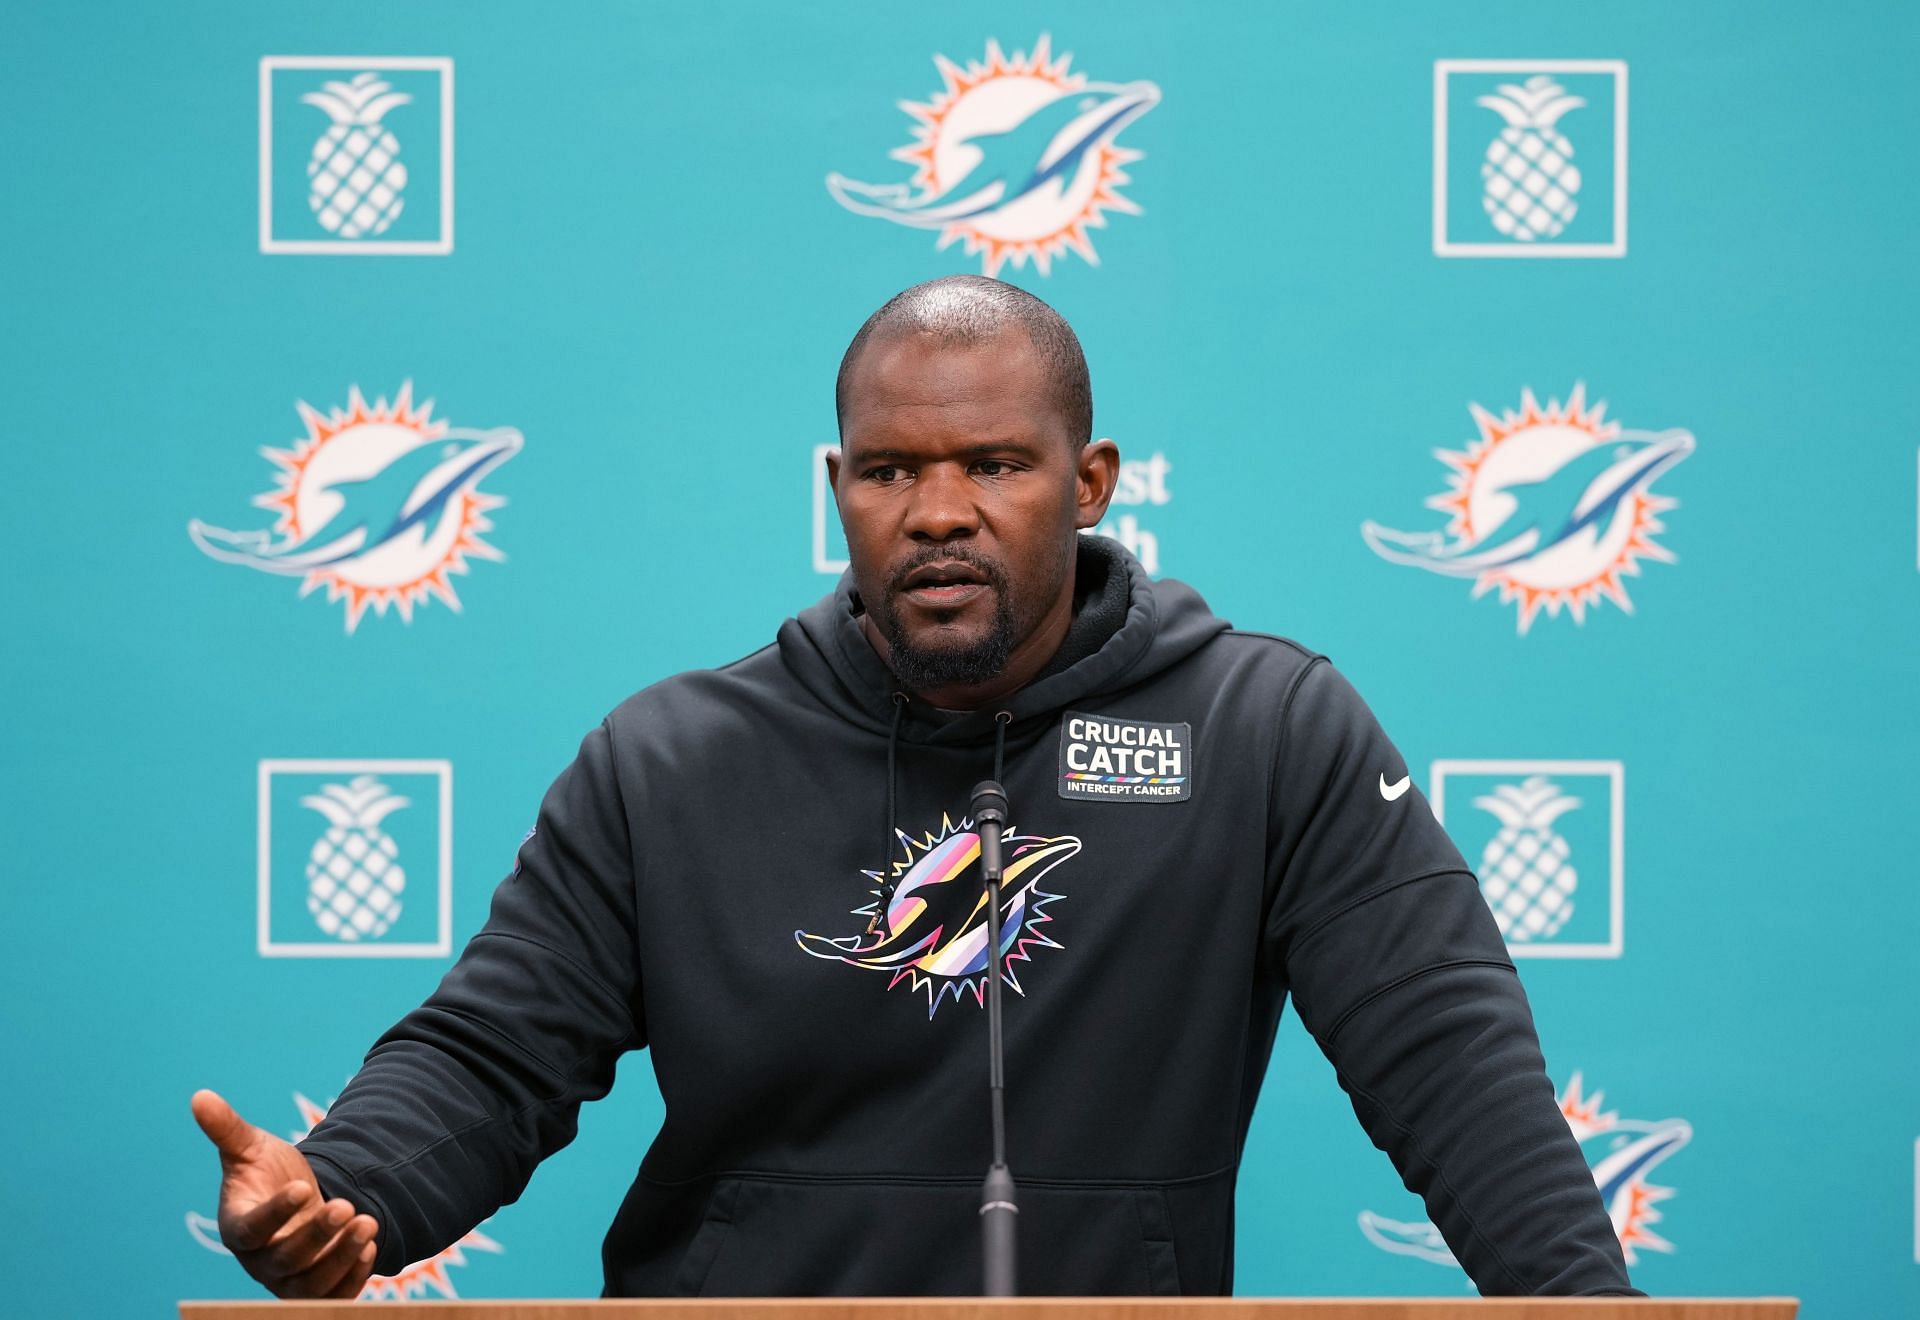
(1161,623)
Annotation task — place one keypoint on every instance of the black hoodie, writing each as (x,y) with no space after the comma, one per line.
(1203,822)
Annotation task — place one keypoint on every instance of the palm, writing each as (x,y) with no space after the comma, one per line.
(249,1179)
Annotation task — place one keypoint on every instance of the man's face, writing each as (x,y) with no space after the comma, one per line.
(960,492)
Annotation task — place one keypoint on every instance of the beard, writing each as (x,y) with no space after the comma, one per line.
(961,663)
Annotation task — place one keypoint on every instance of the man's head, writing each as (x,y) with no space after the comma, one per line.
(965,471)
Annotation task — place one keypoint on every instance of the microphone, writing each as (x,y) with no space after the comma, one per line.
(997,1206)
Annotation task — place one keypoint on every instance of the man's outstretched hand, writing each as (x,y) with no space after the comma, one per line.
(272,1216)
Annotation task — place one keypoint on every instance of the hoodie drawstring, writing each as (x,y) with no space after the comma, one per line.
(881,915)
(880,920)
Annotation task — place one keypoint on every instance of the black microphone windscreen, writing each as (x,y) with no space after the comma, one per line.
(989,801)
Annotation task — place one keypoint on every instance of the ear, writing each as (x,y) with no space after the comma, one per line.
(1096,473)
(833,473)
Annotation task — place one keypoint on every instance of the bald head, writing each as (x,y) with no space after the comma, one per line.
(964,311)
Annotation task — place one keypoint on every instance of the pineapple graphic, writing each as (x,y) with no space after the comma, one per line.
(353,881)
(1530,178)
(357,179)
(1524,871)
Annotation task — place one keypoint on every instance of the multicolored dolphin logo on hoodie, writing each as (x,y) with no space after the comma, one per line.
(935,934)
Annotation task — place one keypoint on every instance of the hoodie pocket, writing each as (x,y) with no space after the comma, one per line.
(689,1280)
(765,1236)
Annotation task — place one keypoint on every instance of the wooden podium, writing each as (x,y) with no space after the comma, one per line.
(1036,1308)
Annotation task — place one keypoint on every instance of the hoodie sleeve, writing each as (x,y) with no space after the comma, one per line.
(1398,970)
(455,1105)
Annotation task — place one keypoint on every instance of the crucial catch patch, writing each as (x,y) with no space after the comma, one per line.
(1116,760)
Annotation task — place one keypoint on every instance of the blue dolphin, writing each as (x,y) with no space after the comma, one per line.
(1623,1154)
(1584,492)
(412,491)
(1047,146)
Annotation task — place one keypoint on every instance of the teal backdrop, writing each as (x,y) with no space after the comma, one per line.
(611,257)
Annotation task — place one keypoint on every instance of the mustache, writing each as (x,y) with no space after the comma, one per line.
(990,569)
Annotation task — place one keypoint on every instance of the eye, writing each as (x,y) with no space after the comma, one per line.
(885,474)
(993,467)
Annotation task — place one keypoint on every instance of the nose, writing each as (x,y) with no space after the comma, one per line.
(941,506)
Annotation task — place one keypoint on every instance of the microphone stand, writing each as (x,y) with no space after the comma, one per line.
(997,1205)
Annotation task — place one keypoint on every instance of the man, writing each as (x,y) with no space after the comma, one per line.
(1203,822)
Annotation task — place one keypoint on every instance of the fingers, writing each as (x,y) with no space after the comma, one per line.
(299,1245)
(252,1229)
(225,1128)
(342,1268)
(357,1275)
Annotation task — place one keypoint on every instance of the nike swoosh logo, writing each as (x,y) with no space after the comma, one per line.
(1392,791)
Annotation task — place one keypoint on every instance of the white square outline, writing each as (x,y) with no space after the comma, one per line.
(1441,247)
(822,564)
(443,944)
(1616,773)
(333,247)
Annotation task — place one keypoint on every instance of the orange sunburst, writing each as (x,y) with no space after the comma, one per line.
(997,252)
(1633,1222)
(321,428)
(401,581)
(959,82)
(988,97)
(1583,1114)
(1465,504)
(1636,1232)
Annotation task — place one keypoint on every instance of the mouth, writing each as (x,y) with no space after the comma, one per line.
(944,586)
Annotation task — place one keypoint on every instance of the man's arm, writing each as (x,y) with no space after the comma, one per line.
(456,1104)
(1399,972)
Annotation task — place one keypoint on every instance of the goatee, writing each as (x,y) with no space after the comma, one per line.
(963,664)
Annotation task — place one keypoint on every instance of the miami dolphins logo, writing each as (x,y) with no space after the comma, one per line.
(1015,157)
(1621,1153)
(433,1272)
(935,936)
(377,503)
(1551,505)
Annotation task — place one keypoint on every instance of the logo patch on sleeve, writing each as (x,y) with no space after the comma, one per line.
(1115,760)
